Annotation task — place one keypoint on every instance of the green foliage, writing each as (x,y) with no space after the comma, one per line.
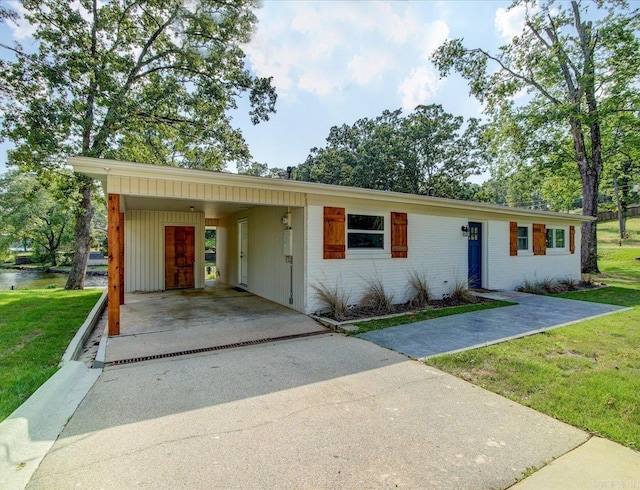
(150,81)
(426,152)
(38,212)
(35,329)
(556,91)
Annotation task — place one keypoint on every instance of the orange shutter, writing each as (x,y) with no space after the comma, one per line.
(513,238)
(572,239)
(334,233)
(399,235)
(539,239)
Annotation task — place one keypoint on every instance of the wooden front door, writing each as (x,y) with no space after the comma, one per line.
(179,257)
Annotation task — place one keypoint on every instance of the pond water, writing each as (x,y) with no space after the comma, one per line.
(42,280)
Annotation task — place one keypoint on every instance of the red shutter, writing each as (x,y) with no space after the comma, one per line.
(399,235)
(513,238)
(572,239)
(334,233)
(539,239)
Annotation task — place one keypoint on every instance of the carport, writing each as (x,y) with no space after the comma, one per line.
(180,322)
(156,226)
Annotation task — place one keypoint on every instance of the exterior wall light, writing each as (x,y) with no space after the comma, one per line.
(465,230)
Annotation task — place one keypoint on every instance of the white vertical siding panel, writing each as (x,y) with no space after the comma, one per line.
(268,271)
(144,247)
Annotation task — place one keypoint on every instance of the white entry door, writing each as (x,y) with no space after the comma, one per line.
(243,252)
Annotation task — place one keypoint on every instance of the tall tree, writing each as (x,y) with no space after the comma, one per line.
(36,211)
(579,65)
(146,80)
(429,151)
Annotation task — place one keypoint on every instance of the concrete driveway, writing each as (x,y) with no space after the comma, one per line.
(532,314)
(320,412)
(185,320)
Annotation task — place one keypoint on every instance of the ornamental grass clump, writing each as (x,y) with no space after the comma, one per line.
(420,294)
(461,295)
(334,298)
(375,300)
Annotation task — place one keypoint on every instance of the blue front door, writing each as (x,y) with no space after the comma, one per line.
(475,255)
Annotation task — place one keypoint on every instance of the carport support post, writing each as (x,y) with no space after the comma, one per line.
(114,246)
(121,237)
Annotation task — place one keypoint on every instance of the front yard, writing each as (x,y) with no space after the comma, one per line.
(35,328)
(587,374)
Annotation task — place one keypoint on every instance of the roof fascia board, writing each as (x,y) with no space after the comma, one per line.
(102,167)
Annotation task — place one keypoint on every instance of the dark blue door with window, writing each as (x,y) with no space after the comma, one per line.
(475,255)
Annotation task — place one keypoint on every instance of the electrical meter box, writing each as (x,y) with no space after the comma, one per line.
(288,242)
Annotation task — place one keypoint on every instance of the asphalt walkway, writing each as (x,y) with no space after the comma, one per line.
(531,314)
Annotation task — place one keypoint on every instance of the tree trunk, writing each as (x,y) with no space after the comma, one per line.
(83,241)
(589,240)
(621,215)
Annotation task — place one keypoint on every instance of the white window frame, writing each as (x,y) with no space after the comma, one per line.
(528,250)
(553,247)
(366,253)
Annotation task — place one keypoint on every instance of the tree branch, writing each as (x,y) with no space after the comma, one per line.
(519,76)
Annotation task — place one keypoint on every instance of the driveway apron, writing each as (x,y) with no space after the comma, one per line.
(532,314)
(320,412)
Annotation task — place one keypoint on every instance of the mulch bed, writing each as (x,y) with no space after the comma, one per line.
(359,314)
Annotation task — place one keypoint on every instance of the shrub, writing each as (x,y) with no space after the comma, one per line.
(375,300)
(460,294)
(570,283)
(334,298)
(419,290)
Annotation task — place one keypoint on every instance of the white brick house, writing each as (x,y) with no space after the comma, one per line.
(276,238)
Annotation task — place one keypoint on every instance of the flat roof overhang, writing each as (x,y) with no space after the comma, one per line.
(179,186)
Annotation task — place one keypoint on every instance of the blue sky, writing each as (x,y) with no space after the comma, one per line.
(335,62)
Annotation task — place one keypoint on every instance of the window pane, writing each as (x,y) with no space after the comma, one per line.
(523,238)
(549,238)
(365,222)
(559,238)
(366,240)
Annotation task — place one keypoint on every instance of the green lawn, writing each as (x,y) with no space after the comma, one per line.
(609,236)
(369,325)
(35,328)
(587,374)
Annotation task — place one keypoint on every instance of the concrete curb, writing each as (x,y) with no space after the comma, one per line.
(80,338)
(31,430)
(27,435)
(98,362)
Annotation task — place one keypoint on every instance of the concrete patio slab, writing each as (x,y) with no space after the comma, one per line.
(532,314)
(321,412)
(182,320)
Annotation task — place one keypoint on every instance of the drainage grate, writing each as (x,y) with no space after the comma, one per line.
(218,347)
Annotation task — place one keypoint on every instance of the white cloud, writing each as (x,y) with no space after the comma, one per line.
(510,22)
(321,47)
(20,29)
(370,65)
(421,85)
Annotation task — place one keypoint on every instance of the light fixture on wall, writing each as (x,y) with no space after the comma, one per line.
(191,208)
(465,230)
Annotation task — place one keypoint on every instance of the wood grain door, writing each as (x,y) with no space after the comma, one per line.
(179,257)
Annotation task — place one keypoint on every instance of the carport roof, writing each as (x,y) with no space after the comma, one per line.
(104,169)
